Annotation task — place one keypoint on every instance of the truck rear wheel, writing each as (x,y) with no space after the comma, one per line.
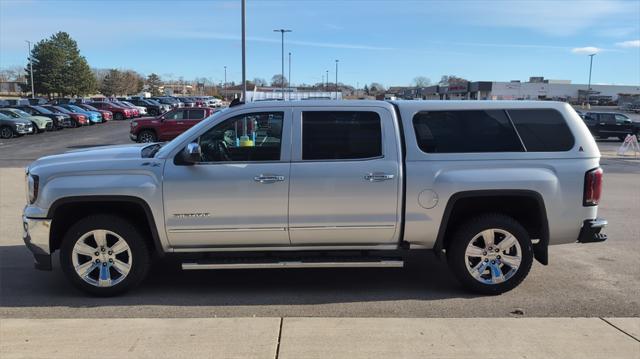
(104,255)
(490,254)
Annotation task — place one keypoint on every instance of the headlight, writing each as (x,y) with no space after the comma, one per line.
(134,124)
(33,184)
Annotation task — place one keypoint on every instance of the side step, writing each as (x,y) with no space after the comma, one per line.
(314,263)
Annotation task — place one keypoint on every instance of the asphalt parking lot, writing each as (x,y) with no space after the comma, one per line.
(595,280)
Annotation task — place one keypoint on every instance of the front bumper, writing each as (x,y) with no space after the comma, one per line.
(36,237)
(590,232)
(133,137)
(24,130)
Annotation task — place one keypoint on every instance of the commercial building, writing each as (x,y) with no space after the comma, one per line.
(537,88)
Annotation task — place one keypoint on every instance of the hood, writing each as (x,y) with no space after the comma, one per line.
(92,154)
(39,118)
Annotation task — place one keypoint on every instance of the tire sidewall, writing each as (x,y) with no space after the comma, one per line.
(138,246)
(2,132)
(456,256)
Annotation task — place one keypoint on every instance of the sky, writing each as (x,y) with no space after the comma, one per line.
(390,42)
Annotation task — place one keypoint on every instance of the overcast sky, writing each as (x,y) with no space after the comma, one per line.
(385,41)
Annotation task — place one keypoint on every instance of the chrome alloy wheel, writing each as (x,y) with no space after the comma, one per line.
(146,137)
(101,258)
(493,256)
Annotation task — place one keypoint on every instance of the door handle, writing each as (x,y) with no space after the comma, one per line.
(180,123)
(378,177)
(268,178)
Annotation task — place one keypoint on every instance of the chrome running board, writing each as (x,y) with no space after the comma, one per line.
(362,263)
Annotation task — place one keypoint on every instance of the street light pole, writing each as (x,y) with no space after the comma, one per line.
(33,94)
(282,31)
(289,75)
(590,67)
(326,78)
(336,79)
(224,85)
(244,59)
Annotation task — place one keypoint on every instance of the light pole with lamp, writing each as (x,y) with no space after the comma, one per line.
(282,31)
(289,76)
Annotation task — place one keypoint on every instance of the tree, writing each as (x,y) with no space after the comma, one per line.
(366,89)
(260,81)
(153,83)
(452,79)
(376,87)
(421,81)
(112,83)
(59,68)
(277,80)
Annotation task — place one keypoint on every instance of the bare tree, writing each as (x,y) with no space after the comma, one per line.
(421,81)
(277,80)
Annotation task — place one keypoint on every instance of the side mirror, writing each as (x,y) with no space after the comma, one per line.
(191,154)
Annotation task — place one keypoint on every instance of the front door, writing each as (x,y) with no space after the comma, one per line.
(238,194)
(344,178)
(173,124)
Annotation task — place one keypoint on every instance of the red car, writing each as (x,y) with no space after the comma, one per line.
(167,126)
(119,113)
(79,119)
(106,115)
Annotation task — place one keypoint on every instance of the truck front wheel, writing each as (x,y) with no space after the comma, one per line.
(490,254)
(104,255)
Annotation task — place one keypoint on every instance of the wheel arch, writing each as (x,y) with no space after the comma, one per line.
(531,214)
(65,211)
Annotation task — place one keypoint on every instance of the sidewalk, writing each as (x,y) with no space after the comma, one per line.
(562,338)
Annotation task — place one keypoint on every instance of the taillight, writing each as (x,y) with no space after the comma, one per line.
(592,187)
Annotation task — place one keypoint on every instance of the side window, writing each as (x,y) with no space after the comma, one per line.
(175,115)
(542,130)
(621,118)
(337,135)
(248,137)
(196,114)
(465,131)
(607,118)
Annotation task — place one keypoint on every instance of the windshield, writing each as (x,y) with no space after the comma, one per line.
(153,102)
(89,107)
(4,117)
(42,110)
(185,135)
(22,113)
(76,108)
(61,109)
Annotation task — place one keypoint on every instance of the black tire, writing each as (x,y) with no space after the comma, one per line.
(36,129)
(147,136)
(118,116)
(461,238)
(140,253)
(6,132)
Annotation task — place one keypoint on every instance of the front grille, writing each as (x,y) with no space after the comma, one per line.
(49,126)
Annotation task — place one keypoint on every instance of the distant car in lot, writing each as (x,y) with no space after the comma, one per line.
(40,123)
(187,101)
(106,115)
(119,113)
(168,126)
(10,126)
(79,119)
(142,111)
(171,101)
(610,124)
(153,108)
(60,120)
(93,116)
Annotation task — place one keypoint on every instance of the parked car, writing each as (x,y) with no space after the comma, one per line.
(186,101)
(106,115)
(38,101)
(610,124)
(326,184)
(79,119)
(119,113)
(11,126)
(93,116)
(60,120)
(152,109)
(167,126)
(40,123)
(171,101)
(142,111)
(16,102)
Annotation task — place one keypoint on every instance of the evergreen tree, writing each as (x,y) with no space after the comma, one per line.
(58,67)
(154,82)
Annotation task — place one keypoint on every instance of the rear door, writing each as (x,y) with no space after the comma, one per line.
(344,177)
(195,115)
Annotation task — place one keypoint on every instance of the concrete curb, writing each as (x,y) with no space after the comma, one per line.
(563,338)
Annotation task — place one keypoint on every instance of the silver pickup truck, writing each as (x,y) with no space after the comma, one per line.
(487,185)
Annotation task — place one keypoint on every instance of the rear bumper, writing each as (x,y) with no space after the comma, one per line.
(590,232)
(36,237)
